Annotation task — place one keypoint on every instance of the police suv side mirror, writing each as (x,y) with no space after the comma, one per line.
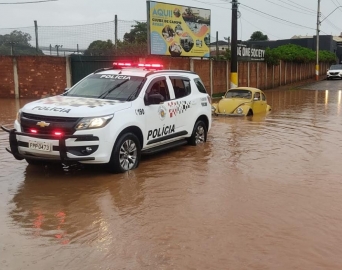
(66,89)
(154,99)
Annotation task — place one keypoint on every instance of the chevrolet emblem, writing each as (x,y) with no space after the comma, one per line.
(43,124)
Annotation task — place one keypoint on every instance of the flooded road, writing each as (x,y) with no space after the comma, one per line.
(264,192)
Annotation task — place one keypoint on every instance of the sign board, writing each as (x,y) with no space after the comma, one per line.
(250,53)
(178,30)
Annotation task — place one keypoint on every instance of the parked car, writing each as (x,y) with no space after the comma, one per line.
(335,71)
(112,116)
(242,101)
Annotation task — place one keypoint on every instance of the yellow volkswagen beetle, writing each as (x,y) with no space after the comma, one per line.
(242,101)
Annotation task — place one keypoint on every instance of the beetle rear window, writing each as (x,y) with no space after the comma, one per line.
(239,94)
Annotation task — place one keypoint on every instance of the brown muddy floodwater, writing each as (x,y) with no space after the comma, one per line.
(263,193)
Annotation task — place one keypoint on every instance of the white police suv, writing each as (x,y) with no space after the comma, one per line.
(112,116)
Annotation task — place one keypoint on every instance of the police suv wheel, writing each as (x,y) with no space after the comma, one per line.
(199,134)
(126,154)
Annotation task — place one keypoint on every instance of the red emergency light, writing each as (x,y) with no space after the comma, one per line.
(122,64)
(149,66)
(57,133)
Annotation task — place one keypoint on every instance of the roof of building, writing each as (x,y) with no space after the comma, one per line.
(335,38)
(219,43)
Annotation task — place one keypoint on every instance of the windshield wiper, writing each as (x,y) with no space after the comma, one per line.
(136,92)
(103,95)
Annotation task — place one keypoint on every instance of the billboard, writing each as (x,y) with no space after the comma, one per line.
(177,30)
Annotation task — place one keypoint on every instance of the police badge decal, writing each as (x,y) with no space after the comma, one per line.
(162,112)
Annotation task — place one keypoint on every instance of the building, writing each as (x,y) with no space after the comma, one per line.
(326,42)
(222,47)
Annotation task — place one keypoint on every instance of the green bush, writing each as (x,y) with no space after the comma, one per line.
(297,54)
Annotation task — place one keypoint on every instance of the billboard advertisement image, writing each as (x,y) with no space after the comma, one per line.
(178,30)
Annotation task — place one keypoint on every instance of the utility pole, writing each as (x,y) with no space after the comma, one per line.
(36,33)
(217,47)
(116,32)
(234,80)
(317,40)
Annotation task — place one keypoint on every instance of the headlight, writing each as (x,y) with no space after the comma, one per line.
(239,110)
(18,116)
(93,122)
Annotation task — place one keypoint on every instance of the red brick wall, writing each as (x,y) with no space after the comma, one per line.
(176,63)
(253,74)
(46,75)
(6,77)
(202,68)
(41,76)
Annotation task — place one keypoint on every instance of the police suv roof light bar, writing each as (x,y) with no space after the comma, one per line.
(148,66)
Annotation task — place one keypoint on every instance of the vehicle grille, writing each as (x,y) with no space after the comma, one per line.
(333,73)
(66,125)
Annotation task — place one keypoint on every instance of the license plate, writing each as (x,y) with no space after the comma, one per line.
(41,146)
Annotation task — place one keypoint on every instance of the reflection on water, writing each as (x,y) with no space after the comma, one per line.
(69,205)
(263,193)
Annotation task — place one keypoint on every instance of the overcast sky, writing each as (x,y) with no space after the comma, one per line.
(279,19)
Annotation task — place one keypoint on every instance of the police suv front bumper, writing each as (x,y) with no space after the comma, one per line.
(61,148)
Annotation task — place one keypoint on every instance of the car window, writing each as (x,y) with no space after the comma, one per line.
(200,86)
(181,86)
(159,86)
(239,93)
(263,97)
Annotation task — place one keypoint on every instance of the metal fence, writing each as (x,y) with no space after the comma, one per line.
(64,40)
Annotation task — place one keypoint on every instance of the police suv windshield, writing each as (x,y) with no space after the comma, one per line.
(108,86)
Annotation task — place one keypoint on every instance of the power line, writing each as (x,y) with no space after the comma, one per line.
(278,17)
(337,5)
(253,24)
(302,7)
(306,12)
(331,24)
(33,2)
(212,4)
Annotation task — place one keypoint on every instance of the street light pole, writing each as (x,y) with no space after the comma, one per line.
(317,35)
(317,40)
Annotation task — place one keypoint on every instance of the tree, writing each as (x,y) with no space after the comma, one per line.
(257,35)
(134,43)
(19,42)
(138,34)
(100,47)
